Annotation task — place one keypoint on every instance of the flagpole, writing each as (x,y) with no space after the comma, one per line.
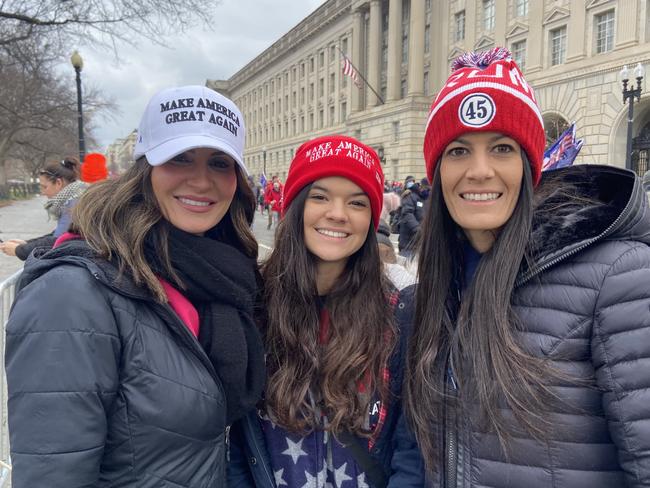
(361,75)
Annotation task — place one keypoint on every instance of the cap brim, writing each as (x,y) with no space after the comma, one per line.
(167,150)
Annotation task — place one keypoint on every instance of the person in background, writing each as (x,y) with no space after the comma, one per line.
(391,202)
(395,270)
(411,214)
(334,333)
(273,200)
(131,345)
(529,354)
(59,182)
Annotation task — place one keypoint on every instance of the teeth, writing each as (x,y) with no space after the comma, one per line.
(331,233)
(187,201)
(480,197)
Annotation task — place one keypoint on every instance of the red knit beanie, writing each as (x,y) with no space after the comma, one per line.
(94,168)
(336,156)
(486,92)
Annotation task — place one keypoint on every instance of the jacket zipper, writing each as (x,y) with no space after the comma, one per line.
(451,441)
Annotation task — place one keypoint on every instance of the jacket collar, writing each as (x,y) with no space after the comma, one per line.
(578,206)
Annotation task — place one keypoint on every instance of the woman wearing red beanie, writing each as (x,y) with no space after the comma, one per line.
(530,345)
(334,354)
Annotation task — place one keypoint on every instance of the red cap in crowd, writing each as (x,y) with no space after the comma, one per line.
(486,92)
(336,156)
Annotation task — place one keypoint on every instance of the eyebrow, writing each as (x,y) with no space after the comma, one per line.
(492,139)
(322,188)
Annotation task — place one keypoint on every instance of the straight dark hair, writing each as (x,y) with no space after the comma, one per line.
(480,346)
(115,216)
(361,333)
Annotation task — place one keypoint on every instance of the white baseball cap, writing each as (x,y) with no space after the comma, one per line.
(189,117)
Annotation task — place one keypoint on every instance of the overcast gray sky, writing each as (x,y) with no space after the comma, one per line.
(241,30)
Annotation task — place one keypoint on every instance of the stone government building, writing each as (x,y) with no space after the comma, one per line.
(570,51)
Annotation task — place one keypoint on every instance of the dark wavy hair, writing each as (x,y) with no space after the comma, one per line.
(361,332)
(115,216)
(479,346)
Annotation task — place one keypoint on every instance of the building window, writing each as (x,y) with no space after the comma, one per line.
(332,82)
(427,33)
(321,87)
(459,26)
(302,95)
(302,70)
(293,99)
(294,126)
(558,46)
(605,32)
(311,121)
(522,8)
(311,65)
(425,87)
(519,54)
(332,53)
(302,123)
(427,5)
(311,91)
(396,131)
(321,119)
(344,109)
(331,119)
(403,87)
(344,45)
(488,15)
(406,20)
(321,59)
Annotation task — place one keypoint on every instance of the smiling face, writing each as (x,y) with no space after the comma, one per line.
(194,190)
(337,219)
(481,175)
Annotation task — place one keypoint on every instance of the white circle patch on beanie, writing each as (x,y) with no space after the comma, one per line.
(477,110)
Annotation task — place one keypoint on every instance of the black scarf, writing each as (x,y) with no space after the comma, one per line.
(221,283)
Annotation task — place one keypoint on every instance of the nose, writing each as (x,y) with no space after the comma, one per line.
(480,167)
(336,210)
(199,175)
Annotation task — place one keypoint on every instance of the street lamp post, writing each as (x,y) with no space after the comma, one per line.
(630,94)
(78,65)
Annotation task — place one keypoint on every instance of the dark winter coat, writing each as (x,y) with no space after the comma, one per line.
(585,305)
(250,466)
(107,388)
(411,214)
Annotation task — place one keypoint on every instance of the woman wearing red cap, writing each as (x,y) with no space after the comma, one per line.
(529,353)
(334,354)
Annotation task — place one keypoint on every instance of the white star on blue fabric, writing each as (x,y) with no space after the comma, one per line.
(279,479)
(311,481)
(361,481)
(294,449)
(339,475)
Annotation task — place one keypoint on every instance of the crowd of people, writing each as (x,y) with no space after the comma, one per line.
(148,347)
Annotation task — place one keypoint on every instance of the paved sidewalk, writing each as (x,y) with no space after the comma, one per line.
(23,219)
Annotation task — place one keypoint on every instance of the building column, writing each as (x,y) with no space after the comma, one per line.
(374,51)
(535,41)
(575,48)
(416,49)
(357,31)
(626,24)
(394,50)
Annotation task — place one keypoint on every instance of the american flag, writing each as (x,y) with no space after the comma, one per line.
(563,151)
(348,70)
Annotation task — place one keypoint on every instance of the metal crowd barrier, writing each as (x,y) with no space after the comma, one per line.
(7,294)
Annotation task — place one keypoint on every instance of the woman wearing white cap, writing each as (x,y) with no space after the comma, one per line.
(131,346)
(529,354)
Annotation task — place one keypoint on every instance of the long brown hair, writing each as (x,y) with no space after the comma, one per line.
(361,332)
(480,346)
(115,217)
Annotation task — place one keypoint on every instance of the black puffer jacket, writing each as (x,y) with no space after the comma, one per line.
(411,214)
(587,306)
(107,388)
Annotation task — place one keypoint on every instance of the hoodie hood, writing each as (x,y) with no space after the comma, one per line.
(578,206)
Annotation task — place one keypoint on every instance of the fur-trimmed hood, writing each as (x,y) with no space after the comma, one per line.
(578,206)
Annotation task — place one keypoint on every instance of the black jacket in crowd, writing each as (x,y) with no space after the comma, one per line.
(411,214)
(107,388)
(586,307)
